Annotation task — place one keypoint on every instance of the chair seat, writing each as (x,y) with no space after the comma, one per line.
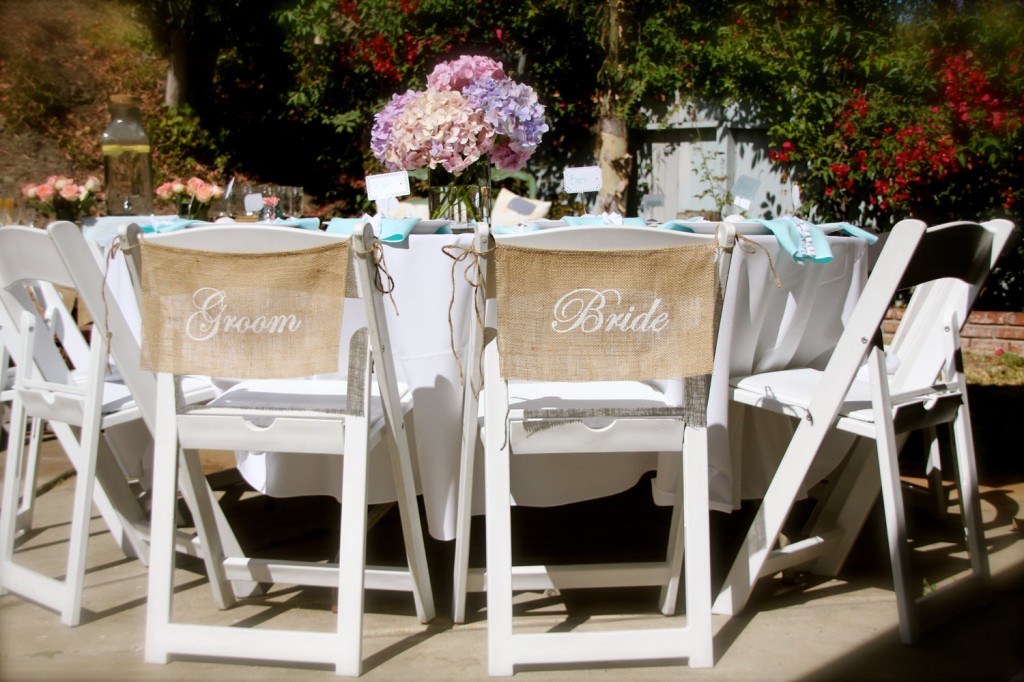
(790,392)
(600,432)
(295,398)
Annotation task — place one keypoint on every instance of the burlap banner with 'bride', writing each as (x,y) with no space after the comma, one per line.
(606,315)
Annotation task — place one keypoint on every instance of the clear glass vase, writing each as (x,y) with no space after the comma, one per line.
(465,199)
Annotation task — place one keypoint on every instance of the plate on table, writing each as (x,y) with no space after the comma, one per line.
(547,224)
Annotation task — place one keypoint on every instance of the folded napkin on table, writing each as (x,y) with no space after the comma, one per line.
(680,225)
(391,230)
(514,229)
(805,241)
(603,219)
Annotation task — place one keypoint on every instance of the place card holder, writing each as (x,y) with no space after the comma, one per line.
(384,187)
(581,179)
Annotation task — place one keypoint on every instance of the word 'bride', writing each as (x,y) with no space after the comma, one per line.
(584,309)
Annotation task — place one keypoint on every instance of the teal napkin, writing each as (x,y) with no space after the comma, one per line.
(676,225)
(391,230)
(806,241)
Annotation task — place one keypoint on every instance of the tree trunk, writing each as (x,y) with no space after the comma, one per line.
(177,72)
(616,166)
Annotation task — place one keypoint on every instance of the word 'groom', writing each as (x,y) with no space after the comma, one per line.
(584,309)
(211,317)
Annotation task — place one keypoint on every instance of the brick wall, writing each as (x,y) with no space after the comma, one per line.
(985,332)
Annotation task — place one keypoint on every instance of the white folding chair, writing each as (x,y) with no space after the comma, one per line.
(543,396)
(288,284)
(80,404)
(132,447)
(947,265)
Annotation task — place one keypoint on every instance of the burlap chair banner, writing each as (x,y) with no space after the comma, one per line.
(624,315)
(243,315)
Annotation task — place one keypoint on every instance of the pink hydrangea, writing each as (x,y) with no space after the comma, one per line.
(438,128)
(470,110)
(458,73)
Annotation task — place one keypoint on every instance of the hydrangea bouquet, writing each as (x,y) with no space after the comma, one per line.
(470,116)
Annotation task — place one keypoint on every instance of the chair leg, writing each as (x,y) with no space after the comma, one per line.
(697,548)
(892,498)
(767,524)
(967,482)
(467,462)
(12,484)
(31,475)
(412,528)
(161,553)
(674,553)
(352,554)
(497,478)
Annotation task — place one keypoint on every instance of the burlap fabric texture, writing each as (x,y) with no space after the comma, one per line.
(243,315)
(624,315)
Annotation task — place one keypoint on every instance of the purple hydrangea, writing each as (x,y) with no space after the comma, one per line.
(383,121)
(513,111)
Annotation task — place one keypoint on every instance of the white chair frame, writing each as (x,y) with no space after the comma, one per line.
(948,265)
(352,435)
(506,648)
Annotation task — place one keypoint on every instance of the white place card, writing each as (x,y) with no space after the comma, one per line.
(253,203)
(653,200)
(744,190)
(582,179)
(520,206)
(384,185)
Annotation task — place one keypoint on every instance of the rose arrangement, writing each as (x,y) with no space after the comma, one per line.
(62,197)
(192,198)
(469,111)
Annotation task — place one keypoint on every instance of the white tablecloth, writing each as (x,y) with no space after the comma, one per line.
(422,345)
(763,328)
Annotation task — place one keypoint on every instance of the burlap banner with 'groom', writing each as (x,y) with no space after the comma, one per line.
(243,314)
(606,315)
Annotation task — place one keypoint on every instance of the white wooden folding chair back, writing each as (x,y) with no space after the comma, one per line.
(77,401)
(466,579)
(264,305)
(947,264)
(600,313)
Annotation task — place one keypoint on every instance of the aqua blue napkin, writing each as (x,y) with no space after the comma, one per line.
(806,241)
(801,240)
(515,229)
(676,225)
(391,229)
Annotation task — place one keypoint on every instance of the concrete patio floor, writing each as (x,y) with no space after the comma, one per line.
(802,628)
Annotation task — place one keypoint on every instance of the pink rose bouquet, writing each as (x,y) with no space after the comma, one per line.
(192,198)
(62,197)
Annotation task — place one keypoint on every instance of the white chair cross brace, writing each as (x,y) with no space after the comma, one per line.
(947,265)
(346,418)
(526,417)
